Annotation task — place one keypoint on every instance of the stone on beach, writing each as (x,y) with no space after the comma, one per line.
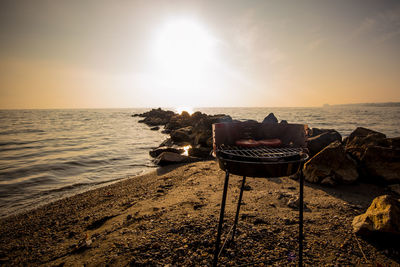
(395,188)
(270,119)
(155,117)
(361,138)
(200,152)
(378,156)
(333,163)
(382,217)
(166,158)
(157,151)
(382,164)
(321,138)
(182,135)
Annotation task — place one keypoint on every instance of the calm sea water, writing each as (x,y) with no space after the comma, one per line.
(50,154)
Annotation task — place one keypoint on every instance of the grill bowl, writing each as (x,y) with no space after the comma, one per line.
(261,169)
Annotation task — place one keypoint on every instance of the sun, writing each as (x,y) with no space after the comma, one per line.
(183,52)
(189,110)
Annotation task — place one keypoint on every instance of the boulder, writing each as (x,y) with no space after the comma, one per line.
(316,143)
(201,138)
(167,142)
(381,164)
(157,151)
(200,152)
(182,120)
(378,156)
(155,117)
(333,163)
(395,188)
(361,138)
(182,135)
(167,158)
(270,119)
(155,128)
(318,131)
(394,142)
(382,217)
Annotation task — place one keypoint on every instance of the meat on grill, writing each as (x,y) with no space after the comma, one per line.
(253,143)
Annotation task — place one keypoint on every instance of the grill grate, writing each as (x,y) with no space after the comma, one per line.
(261,152)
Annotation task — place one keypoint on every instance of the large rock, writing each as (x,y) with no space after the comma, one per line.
(378,156)
(331,165)
(318,131)
(382,217)
(156,117)
(200,152)
(395,188)
(157,151)
(316,143)
(270,119)
(182,135)
(167,158)
(394,142)
(178,121)
(361,138)
(381,164)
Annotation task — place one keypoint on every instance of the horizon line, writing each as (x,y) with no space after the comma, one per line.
(170,107)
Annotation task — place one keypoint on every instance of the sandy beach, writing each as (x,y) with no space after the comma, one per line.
(169,217)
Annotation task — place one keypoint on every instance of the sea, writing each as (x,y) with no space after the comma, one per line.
(46,155)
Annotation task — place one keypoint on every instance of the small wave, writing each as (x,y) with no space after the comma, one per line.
(21,131)
(12,143)
(8,176)
(42,153)
(76,186)
(143,165)
(20,148)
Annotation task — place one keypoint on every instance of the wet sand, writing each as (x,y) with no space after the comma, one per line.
(169,217)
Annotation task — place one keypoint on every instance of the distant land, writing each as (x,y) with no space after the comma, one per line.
(382,104)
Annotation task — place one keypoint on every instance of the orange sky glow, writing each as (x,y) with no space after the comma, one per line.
(122,54)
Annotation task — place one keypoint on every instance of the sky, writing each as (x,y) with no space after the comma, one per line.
(123,54)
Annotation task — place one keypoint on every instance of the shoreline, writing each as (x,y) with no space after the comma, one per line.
(68,194)
(169,216)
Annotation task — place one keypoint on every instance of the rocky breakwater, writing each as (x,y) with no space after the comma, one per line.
(190,136)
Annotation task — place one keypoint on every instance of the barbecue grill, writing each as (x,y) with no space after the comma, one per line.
(259,162)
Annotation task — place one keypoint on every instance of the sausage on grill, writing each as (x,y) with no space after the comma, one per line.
(270,142)
(253,143)
(247,143)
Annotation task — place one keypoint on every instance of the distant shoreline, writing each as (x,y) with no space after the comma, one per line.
(372,104)
(369,104)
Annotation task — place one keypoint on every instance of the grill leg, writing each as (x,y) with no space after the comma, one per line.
(301,237)
(221,219)
(238,209)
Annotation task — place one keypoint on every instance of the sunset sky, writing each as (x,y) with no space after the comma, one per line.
(110,54)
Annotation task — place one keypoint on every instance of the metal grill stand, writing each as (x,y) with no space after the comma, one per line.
(218,248)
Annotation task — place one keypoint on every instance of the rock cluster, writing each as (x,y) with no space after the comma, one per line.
(155,117)
(365,153)
(185,130)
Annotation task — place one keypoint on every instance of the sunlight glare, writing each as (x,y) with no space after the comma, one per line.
(186,150)
(183,53)
(189,110)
